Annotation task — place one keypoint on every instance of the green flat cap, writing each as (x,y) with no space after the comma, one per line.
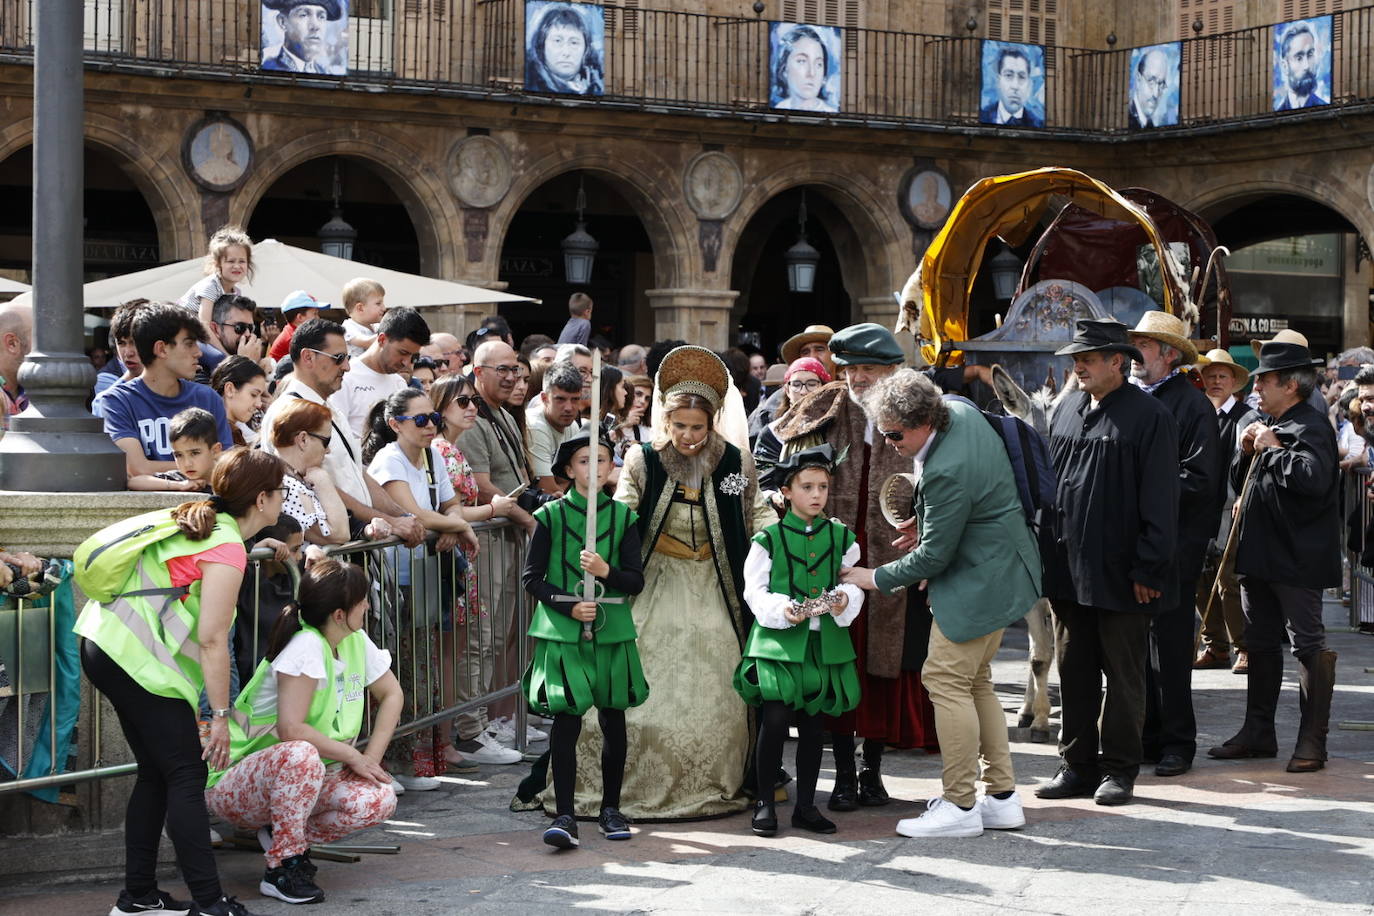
(866,344)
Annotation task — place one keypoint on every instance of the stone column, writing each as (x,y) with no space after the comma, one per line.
(698,316)
(56,445)
(1356,318)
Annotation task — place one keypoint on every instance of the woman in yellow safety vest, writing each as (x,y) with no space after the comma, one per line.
(153,649)
(293,731)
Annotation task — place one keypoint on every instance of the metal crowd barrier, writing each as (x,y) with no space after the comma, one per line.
(1355,502)
(452,660)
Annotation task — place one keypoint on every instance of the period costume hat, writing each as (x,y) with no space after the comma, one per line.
(1276,355)
(1093,334)
(570,447)
(818,456)
(300,299)
(1220,357)
(693,370)
(814,333)
(332,8)
(1167,329)
(866,344)
(1287,335)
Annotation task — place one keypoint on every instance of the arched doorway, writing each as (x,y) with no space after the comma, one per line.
(532,259)
(767,311)
(120,232)
(1295,263)
(300,201)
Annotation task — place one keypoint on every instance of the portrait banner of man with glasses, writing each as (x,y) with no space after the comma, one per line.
(1154,86)
(1302,63)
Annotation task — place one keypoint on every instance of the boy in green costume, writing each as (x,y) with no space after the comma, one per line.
(799,657)
(576,666)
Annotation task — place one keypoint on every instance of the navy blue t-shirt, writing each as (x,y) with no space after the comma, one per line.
(134,411)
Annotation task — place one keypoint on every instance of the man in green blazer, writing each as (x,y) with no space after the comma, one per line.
(979,563)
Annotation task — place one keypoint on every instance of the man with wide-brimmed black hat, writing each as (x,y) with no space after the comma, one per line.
(1109,559)
(1288,551)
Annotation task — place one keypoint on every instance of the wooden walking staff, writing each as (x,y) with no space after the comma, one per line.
(1228,554)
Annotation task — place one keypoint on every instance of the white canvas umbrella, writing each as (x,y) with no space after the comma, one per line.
(12,287)
(279,270)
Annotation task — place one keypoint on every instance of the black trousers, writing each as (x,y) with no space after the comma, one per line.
(1170,725)
(1092,644)
(170,787)
(1271,607)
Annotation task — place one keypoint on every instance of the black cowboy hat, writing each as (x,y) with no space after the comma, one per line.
(332,8)
(1092,334)
(570,447)
(1275,356)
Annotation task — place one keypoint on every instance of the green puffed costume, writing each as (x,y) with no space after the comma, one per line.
(810,670)
(569,674)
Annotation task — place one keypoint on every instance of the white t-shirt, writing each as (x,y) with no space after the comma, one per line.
(206,288)
(352,331)
(390,463)
(362,388)
(344,460)
(304,655)
(545,439)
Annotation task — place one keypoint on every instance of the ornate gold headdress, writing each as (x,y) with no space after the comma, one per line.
(693,370)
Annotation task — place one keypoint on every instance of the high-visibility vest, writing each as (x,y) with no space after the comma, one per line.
(149,629)
(339,718)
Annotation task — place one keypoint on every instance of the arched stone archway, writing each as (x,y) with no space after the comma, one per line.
(1217,201)
(424,194)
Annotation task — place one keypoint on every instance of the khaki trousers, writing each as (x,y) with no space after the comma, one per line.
(969,720)
(1221,631)
(485,639)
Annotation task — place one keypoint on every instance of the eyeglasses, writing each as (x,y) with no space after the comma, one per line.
(503,371)
(893,435)
(465,400)
(800,385)
(338,358)
(243,327)
(422,419)
(324,440)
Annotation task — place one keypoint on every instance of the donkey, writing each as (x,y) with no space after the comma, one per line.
(1035,409)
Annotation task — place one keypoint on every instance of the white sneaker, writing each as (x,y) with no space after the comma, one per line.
(489,750)
(397,787)
(943,819)
(417,783)
(1001,813)
(503,730)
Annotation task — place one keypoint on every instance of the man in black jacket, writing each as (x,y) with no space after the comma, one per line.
(1289,550)
(1109,559)
(1170,735)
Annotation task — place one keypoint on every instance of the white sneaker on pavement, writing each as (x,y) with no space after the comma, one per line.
(416,783)
(503,730)
(1001,813)
(943,819)
(488,750)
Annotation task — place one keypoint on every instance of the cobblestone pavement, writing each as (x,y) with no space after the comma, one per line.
(1225,838)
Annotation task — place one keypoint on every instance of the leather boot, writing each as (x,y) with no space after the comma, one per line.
(845,795)
(1256,737)
(872,792)
(1316,684)
(765,819)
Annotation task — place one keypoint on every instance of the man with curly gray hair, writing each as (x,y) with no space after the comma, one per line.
(977,561)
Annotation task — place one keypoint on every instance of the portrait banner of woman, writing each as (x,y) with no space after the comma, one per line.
(804,67)
(565,48)
(1013,92)
(305,36)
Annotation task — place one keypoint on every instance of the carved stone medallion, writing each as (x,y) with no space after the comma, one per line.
(479,171)
(713,185)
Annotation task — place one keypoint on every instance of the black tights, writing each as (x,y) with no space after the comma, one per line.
(843,745)
(773,719)
(170,786)
(563,756)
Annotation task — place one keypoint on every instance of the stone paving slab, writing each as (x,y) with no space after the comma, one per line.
(1226,838)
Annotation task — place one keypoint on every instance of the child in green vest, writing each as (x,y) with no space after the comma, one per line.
(584,651)
(799,659)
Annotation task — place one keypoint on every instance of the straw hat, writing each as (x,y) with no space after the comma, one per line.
(814,333)
(1167,329)
(693,370)
(1284,336)
(1220,357)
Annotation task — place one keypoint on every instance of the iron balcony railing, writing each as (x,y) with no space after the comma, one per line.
(692,62)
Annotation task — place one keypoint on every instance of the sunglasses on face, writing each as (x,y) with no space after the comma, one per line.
(893,435)
(423,419)
(338,358)
(465,400)
(324,440)
(243,327)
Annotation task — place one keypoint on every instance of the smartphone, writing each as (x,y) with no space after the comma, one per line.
(517,491)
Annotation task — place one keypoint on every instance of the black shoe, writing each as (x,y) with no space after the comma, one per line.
(1069,783)
(871,791)
(845,795)
(562,833)
(224,906)
(291,883)
(1114,790)
(1173,765)
(613,824)
(155,902)
(812,819)
(765,820)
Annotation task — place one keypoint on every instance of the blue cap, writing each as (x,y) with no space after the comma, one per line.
(300,299)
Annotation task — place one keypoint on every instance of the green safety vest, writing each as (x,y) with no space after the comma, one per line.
(149,629)
(566,521)
(337,718)
(806,562)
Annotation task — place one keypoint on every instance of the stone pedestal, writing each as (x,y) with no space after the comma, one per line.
(52,524)
(698,316)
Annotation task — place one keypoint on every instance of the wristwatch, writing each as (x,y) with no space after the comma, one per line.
(222,713)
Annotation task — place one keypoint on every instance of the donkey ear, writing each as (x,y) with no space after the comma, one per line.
(1013,399)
